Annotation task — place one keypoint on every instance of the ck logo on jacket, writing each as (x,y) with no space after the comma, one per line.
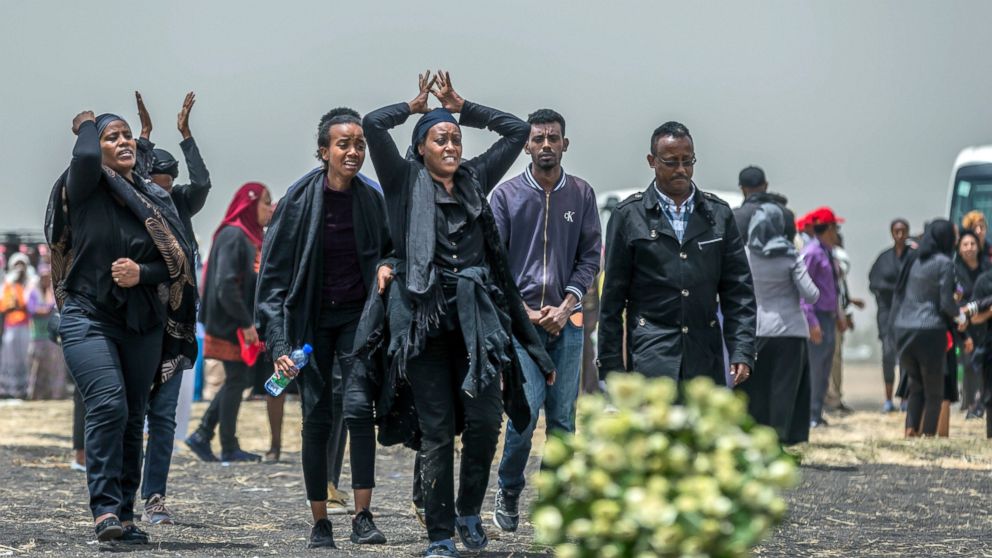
(570,216)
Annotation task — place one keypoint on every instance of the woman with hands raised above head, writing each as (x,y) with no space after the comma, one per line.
(454,310)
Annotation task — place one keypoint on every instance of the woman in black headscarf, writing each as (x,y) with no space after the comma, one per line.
(122,269)
(924,312)
(453,308)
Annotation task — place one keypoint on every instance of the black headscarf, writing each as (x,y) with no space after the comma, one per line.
(938,238)
(427,122)
(164,163)
(105,119)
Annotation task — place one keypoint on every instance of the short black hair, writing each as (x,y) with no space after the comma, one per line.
(340,115)
(670,128)
(546,116)
(898,221)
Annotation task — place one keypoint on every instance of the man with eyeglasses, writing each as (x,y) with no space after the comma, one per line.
(674,258)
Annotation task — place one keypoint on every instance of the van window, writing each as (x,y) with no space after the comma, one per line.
(972,190)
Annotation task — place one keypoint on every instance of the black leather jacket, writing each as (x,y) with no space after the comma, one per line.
(671,293)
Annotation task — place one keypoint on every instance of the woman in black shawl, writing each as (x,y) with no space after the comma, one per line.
(453,308)
(323,253)
(122,268)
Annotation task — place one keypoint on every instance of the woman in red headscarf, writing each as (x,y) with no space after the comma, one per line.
(226,311)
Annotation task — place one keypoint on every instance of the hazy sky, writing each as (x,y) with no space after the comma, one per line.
(859,105)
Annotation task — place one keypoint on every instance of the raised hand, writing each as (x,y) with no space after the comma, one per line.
(146,119)
(419,103)
(183,119)
(445,93)
(86,115)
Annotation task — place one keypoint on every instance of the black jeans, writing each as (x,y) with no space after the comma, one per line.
(335,343)
(923,361)
(114,370)
(436,377)
(779,388)
(224,408)
(78,420)
(339,435)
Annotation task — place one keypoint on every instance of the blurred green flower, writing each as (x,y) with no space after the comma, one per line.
(644,476)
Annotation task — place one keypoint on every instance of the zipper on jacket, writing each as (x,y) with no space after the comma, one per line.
(544,279)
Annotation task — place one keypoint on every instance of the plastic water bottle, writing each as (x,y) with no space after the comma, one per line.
(277,383)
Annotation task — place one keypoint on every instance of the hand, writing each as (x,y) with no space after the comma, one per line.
(962,321)
(816,335)
(183,119)
(146,119)
(445,93)
(849,320)
(860,303)
(842,325)
(550,378)
(285,368)
(419,103)
(740,372)
(85,116)
(251,335)
(534,316)
(383,277)
(125,273)
(554,319)
(969,346)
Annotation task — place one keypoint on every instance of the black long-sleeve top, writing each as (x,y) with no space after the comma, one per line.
(459,240)
(104,230)
(229,285)
(190,198)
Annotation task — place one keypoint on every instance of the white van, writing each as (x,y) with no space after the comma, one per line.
(971,184)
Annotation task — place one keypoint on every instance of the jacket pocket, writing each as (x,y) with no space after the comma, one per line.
(704,243)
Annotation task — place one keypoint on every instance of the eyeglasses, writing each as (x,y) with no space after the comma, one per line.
(676,164)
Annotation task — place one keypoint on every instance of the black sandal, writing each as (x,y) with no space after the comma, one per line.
(109,529)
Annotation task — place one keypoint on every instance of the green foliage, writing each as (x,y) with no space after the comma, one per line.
(645,475)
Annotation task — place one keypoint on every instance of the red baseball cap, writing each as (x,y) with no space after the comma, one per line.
(824,216)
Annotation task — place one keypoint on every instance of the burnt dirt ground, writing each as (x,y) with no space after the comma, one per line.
(864,492)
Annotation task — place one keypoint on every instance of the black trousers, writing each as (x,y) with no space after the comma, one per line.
(224,407)
(114,370)
(335,343)
(436,377)
(779,388)
(339,434)
(78,420)
(890,358)
(923,360)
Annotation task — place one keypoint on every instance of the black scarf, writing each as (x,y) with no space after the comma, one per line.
(154,208)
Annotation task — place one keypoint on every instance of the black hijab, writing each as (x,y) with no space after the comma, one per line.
(938,238)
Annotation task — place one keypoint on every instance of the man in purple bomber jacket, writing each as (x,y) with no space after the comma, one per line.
(549,222)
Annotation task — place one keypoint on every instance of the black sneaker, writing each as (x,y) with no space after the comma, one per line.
(239,456)
(322,535)
(441,549)
(200,446)
(109,529)
(133,535)
(471,533)
(364,531)
(505,514)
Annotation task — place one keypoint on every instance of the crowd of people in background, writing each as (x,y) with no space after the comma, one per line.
(444,298)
